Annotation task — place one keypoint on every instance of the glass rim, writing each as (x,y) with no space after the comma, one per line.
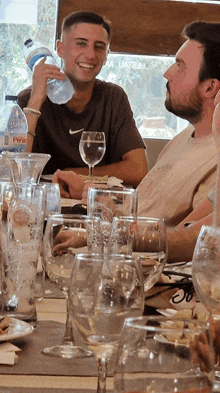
(135,323)
(24,154)
(107,257)
(73,217)
(113,190)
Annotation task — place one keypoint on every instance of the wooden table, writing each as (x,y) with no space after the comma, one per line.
(55,310)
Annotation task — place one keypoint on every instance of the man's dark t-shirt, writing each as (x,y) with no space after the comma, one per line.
(108,111)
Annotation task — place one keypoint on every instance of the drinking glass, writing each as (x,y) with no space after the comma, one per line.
(107,203)
(159,354)
(206,271)
(92,148)
(143,237)
(103,292)
(65,236)
(22,218)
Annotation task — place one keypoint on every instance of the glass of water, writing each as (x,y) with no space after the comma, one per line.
(92,148)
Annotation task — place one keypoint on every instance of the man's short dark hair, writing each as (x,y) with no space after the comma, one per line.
(86,17)
(208,34)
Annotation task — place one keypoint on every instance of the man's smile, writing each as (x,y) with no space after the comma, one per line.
(87,66)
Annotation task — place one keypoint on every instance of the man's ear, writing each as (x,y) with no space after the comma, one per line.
(211,87)
(107,52)
(59,46)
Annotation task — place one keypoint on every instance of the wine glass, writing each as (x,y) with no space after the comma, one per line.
(103,292)
(206,271)
(143,237)
(65,236)
(92,147)
(150,244)
(159,354)
(107,203)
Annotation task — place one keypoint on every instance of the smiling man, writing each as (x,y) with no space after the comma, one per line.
(95,106)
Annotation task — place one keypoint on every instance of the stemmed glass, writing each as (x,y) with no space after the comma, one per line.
(206,272)
(65,236)
(159,354)
(108,203)
(103,292)
(92,147)
(143,237)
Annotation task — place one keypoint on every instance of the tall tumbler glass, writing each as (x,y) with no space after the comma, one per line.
(21,235)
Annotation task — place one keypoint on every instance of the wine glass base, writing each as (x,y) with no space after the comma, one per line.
(67,351)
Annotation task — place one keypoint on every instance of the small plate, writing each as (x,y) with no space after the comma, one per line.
(17,329)
(168,312)
(67,202)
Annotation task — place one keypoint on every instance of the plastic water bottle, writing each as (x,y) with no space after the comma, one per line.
(13,126)
(59,92)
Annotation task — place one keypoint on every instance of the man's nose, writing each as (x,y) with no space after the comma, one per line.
(168,73)
(90,51)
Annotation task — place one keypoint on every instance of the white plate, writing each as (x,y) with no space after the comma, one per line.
(17,329)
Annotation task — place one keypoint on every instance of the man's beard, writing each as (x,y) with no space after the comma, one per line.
(191,111)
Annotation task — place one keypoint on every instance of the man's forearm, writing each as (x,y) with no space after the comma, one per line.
(182,240)
(129,171)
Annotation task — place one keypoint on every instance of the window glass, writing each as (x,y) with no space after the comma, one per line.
(142,79)
(14,73)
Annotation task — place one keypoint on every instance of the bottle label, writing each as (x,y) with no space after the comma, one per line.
(16,142)
(36,55)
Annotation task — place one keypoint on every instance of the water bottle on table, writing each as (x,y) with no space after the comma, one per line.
(58,91)
(13,126)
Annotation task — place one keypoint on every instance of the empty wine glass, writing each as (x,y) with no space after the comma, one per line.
(159,354)
(92,147)
(103,292)
(206,271)
(107,203)
(143,237)
(150,244)
(66,235)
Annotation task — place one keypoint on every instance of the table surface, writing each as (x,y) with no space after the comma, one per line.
(38,373)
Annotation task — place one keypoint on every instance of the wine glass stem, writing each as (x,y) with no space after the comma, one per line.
(91,172)
(102,373)
(68,335)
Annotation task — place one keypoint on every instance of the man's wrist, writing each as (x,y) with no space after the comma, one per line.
(31,111)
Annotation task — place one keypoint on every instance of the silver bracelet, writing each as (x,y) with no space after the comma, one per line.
(32,133)
(31,111)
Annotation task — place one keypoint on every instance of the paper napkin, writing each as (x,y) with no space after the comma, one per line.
(8,353)
(114,182)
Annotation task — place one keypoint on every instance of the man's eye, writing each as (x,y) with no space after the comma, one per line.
(81,44)
(100,47)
